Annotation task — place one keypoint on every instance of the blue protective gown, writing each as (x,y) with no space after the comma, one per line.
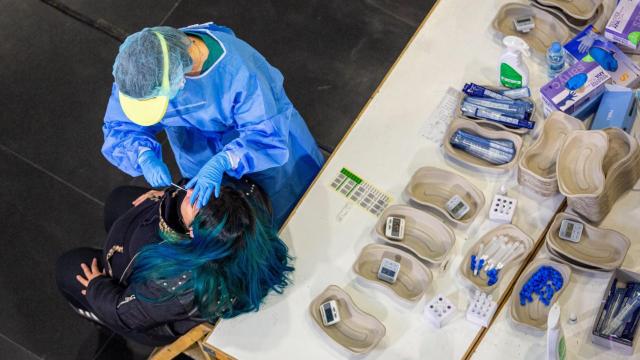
(239,107)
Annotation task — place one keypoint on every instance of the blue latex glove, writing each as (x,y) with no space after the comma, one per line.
(154,170)
(208,179)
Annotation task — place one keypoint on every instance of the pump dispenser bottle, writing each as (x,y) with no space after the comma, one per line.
(513,71)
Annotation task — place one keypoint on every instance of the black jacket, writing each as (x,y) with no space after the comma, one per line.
(117,304)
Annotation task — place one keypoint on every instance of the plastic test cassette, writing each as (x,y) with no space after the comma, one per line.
(457,207)
(570,230)
(329,313)
(394,228)
(389,270)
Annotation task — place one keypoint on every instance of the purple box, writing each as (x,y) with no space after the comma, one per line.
(622,69)
(624,25)
(577,87)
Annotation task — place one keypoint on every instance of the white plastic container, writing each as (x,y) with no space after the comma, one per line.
(556,346)
(514,73)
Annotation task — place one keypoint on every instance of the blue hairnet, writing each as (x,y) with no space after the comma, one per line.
(138,67)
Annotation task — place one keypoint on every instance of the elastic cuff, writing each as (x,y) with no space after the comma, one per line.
(93,283)
(233,160)
(142,150)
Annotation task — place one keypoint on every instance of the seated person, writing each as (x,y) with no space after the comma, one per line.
(167,266)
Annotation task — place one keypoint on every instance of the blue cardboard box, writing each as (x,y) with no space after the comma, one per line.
(617,109)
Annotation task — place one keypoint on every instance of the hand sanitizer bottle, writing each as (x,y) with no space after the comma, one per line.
(555,60)
(556,346)
(513,71)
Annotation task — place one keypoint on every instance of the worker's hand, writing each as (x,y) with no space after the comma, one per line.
(208,180)
(89,274)
(148,195)
(154,170)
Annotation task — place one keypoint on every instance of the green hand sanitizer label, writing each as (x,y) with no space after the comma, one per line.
(509,77)
(562,349)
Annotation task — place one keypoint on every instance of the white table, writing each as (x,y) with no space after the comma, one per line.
(582,297)
(455,45)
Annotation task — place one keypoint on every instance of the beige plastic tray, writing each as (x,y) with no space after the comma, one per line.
(620,169)
(534,314)
(599,19)
(413,278)
(537,166)
(620,162)
(471,160)
(577,9)
(598,248)
(433,187)
(579,165)
(480,281)
(547,28)
(357,330)
(556,256)
(424,235)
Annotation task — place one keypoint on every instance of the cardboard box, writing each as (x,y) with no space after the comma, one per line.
(612,59)
(580,86)
(622,345)
(624,24)
(617,109)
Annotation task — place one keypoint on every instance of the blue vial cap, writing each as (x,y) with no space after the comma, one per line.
(556,47)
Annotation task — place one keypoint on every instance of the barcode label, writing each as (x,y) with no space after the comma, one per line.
(438,121)
(361,192)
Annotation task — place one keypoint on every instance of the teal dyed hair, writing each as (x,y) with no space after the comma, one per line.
(235,257)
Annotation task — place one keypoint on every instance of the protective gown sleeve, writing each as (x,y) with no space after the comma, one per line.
(262,123)
(123,140)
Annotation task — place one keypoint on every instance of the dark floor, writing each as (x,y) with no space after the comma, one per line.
(54,83)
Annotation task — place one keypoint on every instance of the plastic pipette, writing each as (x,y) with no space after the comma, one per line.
(516,251)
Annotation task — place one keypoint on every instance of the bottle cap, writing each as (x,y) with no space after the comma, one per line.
(555,46)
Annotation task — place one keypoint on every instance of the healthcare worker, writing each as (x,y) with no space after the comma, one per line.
(223,108)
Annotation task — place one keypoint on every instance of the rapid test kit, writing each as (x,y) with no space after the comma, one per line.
(576,91)
(624,25)
(589,46)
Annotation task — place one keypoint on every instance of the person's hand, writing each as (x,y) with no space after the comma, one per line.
(208,179)
(147,195)
(89,274)
(154,170)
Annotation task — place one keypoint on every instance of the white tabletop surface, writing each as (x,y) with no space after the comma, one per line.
(455,45)
(582,297)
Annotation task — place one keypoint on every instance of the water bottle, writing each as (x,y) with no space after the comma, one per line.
(555,60)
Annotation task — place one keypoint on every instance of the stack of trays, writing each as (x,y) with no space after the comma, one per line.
(578,14)
(595,168)
(597,249)
(537,167)
(547,28)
